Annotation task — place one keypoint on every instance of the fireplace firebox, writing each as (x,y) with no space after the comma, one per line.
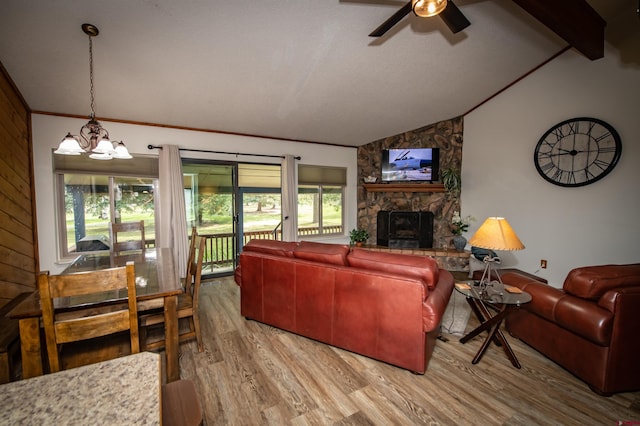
(405,229)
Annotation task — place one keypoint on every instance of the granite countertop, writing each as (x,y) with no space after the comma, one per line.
(122,391)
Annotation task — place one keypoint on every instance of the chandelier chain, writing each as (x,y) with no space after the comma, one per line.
(93,138)
(91,90)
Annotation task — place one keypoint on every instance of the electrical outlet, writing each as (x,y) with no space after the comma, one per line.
(543,263)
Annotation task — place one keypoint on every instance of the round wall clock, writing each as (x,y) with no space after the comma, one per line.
(577,152)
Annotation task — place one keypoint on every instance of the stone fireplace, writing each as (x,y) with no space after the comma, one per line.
(405,229)
(417,197)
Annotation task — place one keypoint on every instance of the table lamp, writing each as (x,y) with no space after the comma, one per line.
(494,234)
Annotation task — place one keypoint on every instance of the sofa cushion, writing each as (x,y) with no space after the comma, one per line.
(335,254)
(585,318)
(413,266)
(592,282)
(272,247)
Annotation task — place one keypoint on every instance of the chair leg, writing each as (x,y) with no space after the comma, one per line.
(5,370)
(142,336)
(196,324)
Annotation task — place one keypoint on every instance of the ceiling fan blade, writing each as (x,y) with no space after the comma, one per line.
(394,19)
(453,17)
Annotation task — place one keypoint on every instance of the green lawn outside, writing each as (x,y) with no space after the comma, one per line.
(267,219)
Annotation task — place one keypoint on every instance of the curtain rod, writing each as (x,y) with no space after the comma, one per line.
(223,152)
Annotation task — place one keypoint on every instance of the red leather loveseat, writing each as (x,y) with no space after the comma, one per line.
(382,305)
(590,326)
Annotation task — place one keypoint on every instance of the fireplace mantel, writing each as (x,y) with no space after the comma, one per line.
(404,187)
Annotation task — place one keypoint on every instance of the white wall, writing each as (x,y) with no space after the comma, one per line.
(49,130)
(569,227)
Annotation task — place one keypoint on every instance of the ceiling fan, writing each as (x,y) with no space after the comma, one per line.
(449,12)
(573,20)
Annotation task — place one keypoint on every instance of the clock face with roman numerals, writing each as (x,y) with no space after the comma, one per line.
(577,152)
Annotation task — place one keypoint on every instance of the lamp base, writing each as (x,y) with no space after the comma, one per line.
(487,284)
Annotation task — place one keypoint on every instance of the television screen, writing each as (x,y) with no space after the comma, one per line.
(405,165)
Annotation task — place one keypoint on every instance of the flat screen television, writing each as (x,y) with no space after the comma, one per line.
(410,165)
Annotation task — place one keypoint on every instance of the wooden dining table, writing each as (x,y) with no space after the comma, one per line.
(157,286)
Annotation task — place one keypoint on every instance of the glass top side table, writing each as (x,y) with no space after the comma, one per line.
(491,305)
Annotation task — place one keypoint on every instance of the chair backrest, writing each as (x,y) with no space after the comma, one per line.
(93,322)
(193,286)
(127,238)
(190,257)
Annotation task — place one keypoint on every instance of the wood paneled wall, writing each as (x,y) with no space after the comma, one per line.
(18,234)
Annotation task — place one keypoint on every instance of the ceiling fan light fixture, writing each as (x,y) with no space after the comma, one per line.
(427,8)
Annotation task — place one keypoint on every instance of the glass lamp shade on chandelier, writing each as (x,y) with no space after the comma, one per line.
(93,137)
(427,8)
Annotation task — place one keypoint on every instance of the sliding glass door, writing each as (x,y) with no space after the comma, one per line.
(229,204)
(261,214)
(260,203)
(210,194)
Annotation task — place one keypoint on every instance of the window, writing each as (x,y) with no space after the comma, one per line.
(90,194)
(320,200)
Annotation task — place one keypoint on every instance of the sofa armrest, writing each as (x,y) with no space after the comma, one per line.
(613,300)
(580,316)
(624,369)
(436,302)
(520,280)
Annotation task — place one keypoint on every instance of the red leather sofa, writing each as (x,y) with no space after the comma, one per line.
(590,326)
(382,305)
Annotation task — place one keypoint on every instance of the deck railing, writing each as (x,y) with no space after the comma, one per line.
(219,247)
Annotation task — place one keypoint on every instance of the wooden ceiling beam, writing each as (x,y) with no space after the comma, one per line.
(573,20)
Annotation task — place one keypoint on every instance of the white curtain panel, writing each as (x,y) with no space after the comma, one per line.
(289,178)
(173,216)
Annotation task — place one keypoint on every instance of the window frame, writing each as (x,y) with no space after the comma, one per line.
(310,175)
(61,216)
(141,166)
(321,226)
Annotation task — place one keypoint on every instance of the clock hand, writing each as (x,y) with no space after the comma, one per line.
(565,152)
(574,151)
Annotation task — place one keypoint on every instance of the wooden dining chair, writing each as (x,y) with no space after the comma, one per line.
(190,254)
(151,307)
(187,306)
(180,404)
(91,323)
(127,241)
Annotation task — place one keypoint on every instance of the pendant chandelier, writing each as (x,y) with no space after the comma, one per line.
(93,137)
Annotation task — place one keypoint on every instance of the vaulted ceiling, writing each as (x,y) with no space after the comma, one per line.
(293,69)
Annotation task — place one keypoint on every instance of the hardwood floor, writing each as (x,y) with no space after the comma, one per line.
(254,374)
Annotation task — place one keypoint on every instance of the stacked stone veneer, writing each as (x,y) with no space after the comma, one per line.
(446,135)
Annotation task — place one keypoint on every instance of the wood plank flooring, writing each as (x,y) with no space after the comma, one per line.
(254,374)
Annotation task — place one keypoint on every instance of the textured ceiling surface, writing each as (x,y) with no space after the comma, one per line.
(292,69)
